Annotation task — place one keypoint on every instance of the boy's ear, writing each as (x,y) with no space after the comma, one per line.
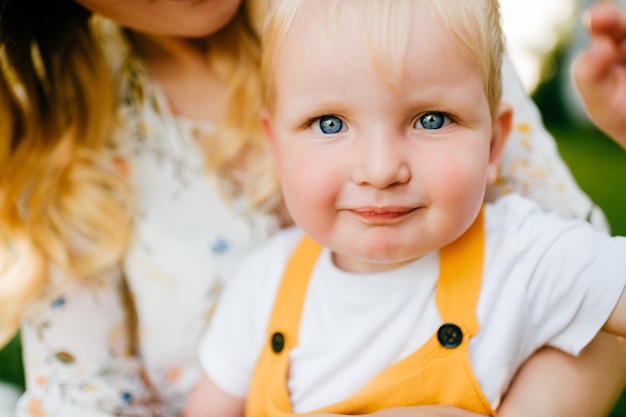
(268,132)
(502,126)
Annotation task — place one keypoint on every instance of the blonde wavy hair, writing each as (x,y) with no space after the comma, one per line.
(474,24)
(62,200)
(235,55)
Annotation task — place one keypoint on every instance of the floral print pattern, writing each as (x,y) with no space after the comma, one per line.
(125,344)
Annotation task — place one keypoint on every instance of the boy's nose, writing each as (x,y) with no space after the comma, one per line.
(381,163)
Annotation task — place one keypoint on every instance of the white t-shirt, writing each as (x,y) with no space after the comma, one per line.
(547,281)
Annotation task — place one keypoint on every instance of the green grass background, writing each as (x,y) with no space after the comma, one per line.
(11,364)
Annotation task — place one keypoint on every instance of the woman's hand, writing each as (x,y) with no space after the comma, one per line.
(599,72)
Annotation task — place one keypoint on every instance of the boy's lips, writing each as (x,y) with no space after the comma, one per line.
(382,214)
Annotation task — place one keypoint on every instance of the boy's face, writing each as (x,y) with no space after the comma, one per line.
(381,176)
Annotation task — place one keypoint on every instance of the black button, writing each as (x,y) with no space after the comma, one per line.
(450,335)
(278,342)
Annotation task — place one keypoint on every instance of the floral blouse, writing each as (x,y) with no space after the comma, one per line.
(81,356)
(125,345)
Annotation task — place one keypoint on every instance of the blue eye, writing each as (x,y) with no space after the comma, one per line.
(328,125)
(431,121)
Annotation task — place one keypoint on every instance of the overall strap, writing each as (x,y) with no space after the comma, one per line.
(439,372)
(457,291)
(273,365)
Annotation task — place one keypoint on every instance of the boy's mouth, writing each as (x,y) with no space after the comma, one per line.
(382,214)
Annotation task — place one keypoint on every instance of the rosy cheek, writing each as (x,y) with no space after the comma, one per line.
(312,182)
(299,181)
(452,176)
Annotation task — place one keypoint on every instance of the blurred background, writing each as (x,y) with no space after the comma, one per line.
(543,36)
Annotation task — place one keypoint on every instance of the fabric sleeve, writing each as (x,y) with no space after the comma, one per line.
(531,164)
(230,347)
(78,354)
(226,350)
(576,282)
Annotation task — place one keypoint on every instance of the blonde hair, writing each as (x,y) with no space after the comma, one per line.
(474,24)
(62,201)
(235,55)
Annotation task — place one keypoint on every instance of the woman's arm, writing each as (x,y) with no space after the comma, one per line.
(207,399)
(553,383)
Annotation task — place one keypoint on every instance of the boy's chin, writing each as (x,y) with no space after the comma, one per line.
(376,261)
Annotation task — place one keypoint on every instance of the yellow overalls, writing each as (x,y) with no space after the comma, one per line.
(439,372)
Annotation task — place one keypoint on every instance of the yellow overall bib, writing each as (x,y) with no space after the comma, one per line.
(439,372)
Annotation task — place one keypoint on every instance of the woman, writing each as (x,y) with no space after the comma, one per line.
(121,227)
